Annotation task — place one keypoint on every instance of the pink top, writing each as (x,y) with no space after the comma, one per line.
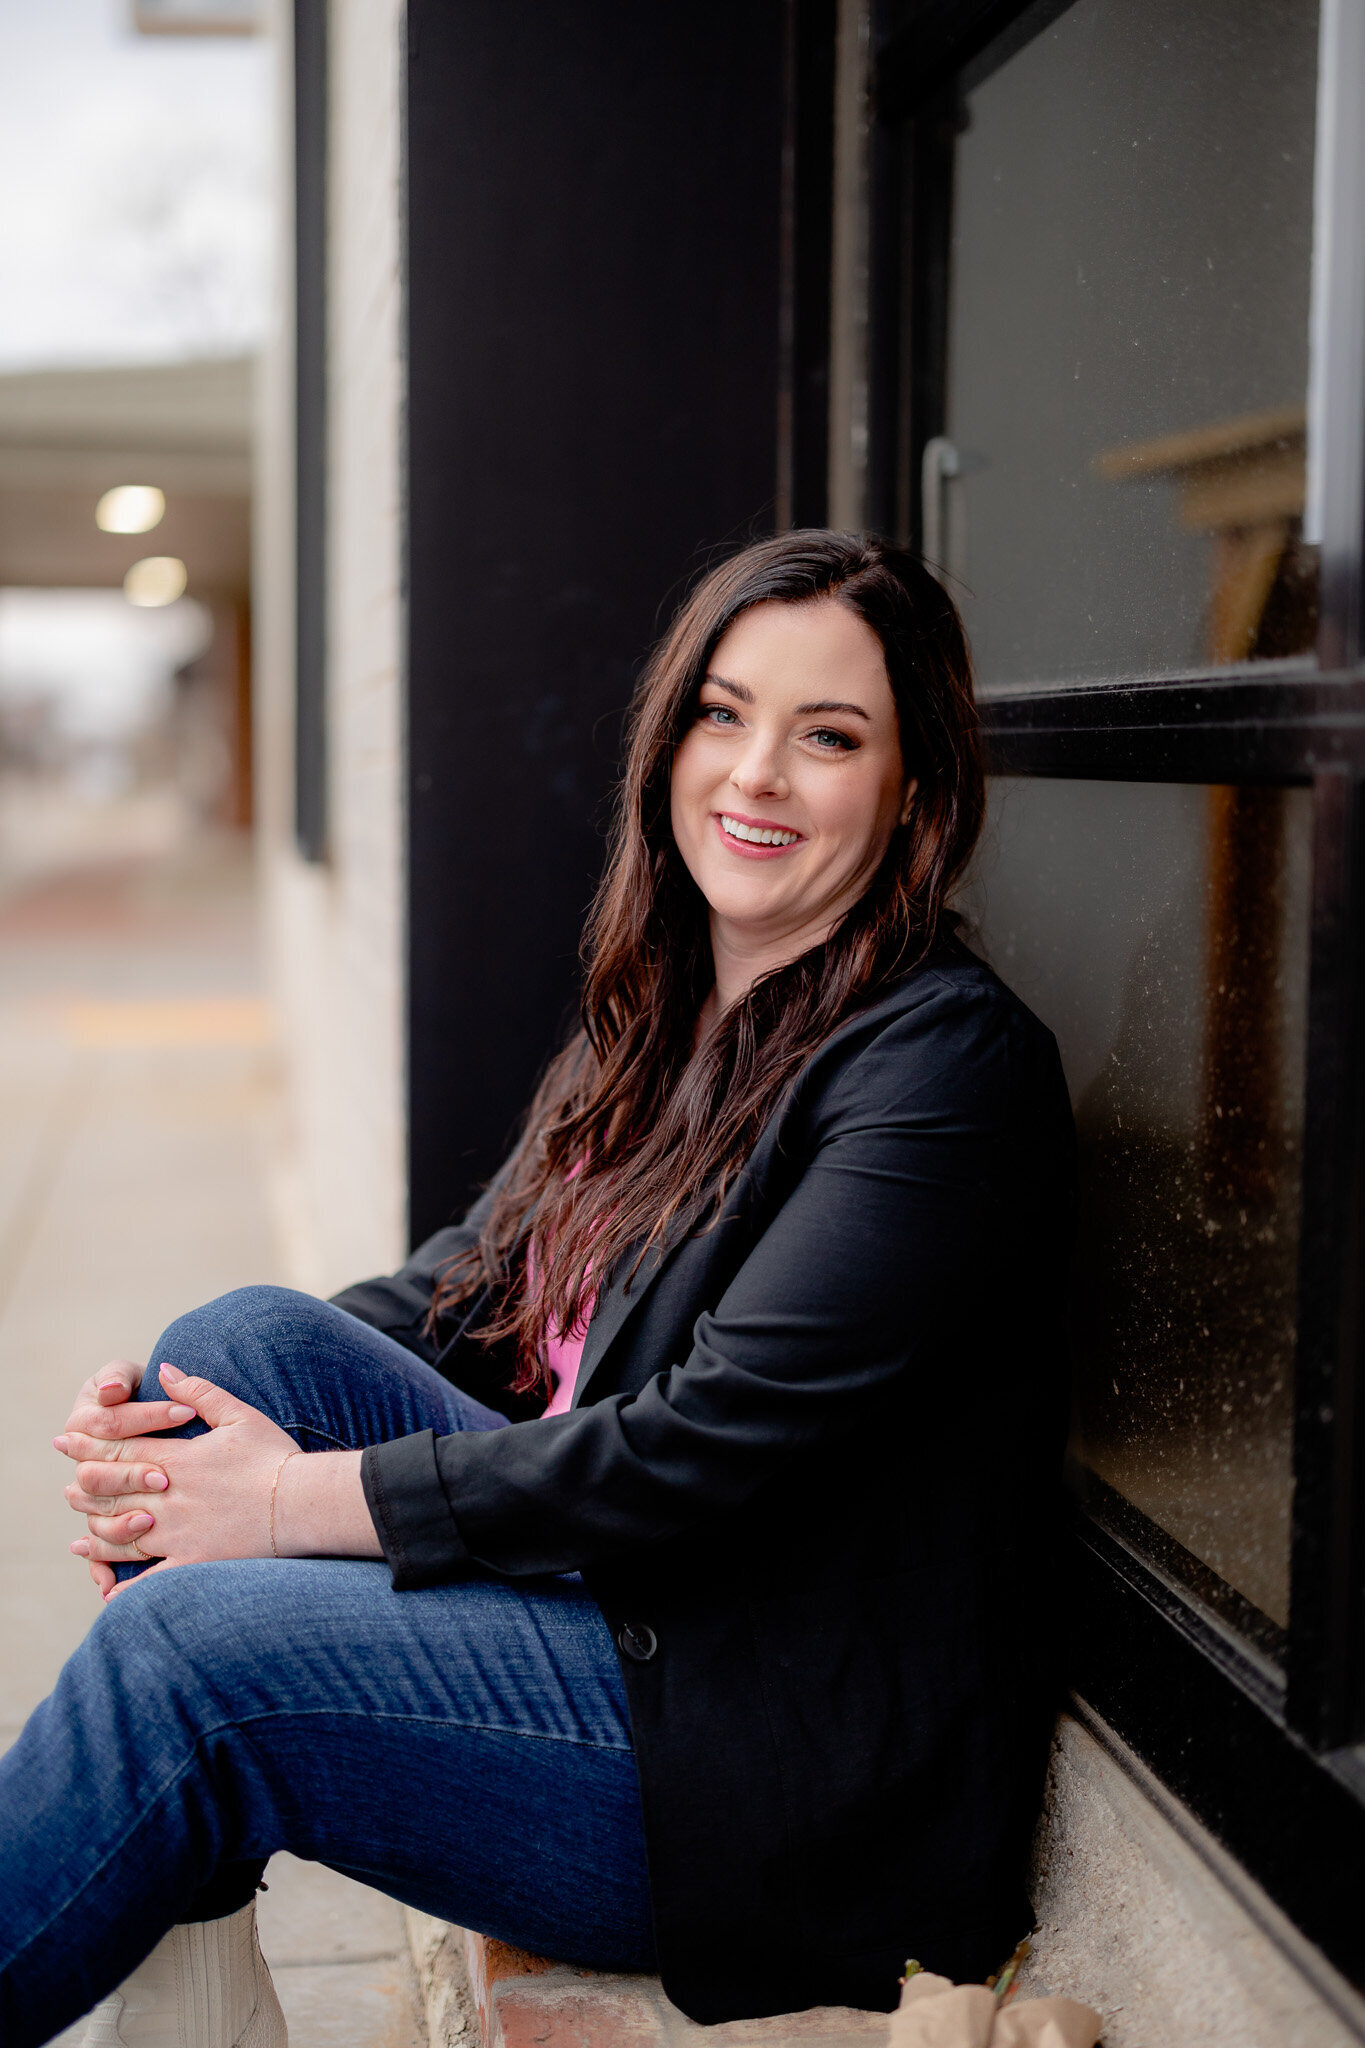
(564,1354)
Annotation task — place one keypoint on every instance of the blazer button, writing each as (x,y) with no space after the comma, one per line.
(638,1642)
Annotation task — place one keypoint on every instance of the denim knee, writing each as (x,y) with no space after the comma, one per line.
(132,1669)
(145,1703)
(245,1342)
(192,1630)
(220,1326)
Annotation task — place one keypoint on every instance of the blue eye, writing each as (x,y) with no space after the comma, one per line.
(830,741)
(718,712)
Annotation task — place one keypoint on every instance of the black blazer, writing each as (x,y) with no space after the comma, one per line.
(810,1479)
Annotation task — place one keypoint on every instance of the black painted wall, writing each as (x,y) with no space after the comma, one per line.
(594,202)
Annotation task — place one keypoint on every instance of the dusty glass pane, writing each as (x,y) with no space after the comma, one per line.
(1122,487)
(1162,932)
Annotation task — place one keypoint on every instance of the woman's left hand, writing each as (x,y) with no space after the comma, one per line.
(213,1500)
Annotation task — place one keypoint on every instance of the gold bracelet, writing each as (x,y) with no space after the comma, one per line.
(274,1487)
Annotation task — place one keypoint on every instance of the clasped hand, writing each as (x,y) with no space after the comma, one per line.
(177,1500)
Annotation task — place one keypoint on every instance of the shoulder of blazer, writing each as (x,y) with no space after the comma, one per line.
(945,1006)
(931,1017)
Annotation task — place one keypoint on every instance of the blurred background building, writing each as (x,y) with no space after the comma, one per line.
(505,321)
(136,243)
(140,1107)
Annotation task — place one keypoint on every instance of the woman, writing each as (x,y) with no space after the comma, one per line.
(711,1456)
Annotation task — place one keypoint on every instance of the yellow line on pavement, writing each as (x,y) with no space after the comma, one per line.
(206,1021)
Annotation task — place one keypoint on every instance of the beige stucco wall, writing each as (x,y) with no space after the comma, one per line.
(334,929)
(1145,1917)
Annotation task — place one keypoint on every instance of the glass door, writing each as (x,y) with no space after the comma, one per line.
(1120,487)
(1115,381)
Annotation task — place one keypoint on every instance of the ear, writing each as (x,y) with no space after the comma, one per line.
(908,806)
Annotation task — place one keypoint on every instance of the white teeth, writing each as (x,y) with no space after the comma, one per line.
(758,835)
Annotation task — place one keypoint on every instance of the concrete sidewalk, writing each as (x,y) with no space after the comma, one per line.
(138,1113)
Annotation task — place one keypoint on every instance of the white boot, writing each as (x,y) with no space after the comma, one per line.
(204,1985)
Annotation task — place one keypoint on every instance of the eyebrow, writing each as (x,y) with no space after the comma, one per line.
(746,696)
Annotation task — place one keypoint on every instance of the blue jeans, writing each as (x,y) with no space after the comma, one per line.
(465,1748)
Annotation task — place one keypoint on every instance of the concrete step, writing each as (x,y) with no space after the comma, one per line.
(340,1959)
(484,1994)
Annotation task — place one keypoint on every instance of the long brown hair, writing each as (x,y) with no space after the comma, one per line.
(636,1131)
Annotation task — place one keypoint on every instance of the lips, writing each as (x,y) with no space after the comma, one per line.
(755,838)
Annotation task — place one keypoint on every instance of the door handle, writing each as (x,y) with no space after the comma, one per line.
(939,466)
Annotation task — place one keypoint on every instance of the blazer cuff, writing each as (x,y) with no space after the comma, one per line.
(410,1512)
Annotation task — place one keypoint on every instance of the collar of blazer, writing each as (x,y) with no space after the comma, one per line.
(614,1307)
(620,1300)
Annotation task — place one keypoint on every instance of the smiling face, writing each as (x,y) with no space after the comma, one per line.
(789,782)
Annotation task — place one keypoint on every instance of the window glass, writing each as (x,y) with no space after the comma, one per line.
(1121,488)
(1161,932)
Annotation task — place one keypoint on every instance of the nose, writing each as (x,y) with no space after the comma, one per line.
(759,771)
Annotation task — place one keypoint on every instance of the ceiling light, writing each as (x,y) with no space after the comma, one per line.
(156,579)
(198,17)
(130,508)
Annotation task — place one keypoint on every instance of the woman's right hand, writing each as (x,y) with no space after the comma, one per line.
(105,1407)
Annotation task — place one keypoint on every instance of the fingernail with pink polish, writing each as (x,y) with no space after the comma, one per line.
(102,1384)
(59,1444)
(80,1547)
(155,1482)
(167,1370)
(178,1412)
(139,1523)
